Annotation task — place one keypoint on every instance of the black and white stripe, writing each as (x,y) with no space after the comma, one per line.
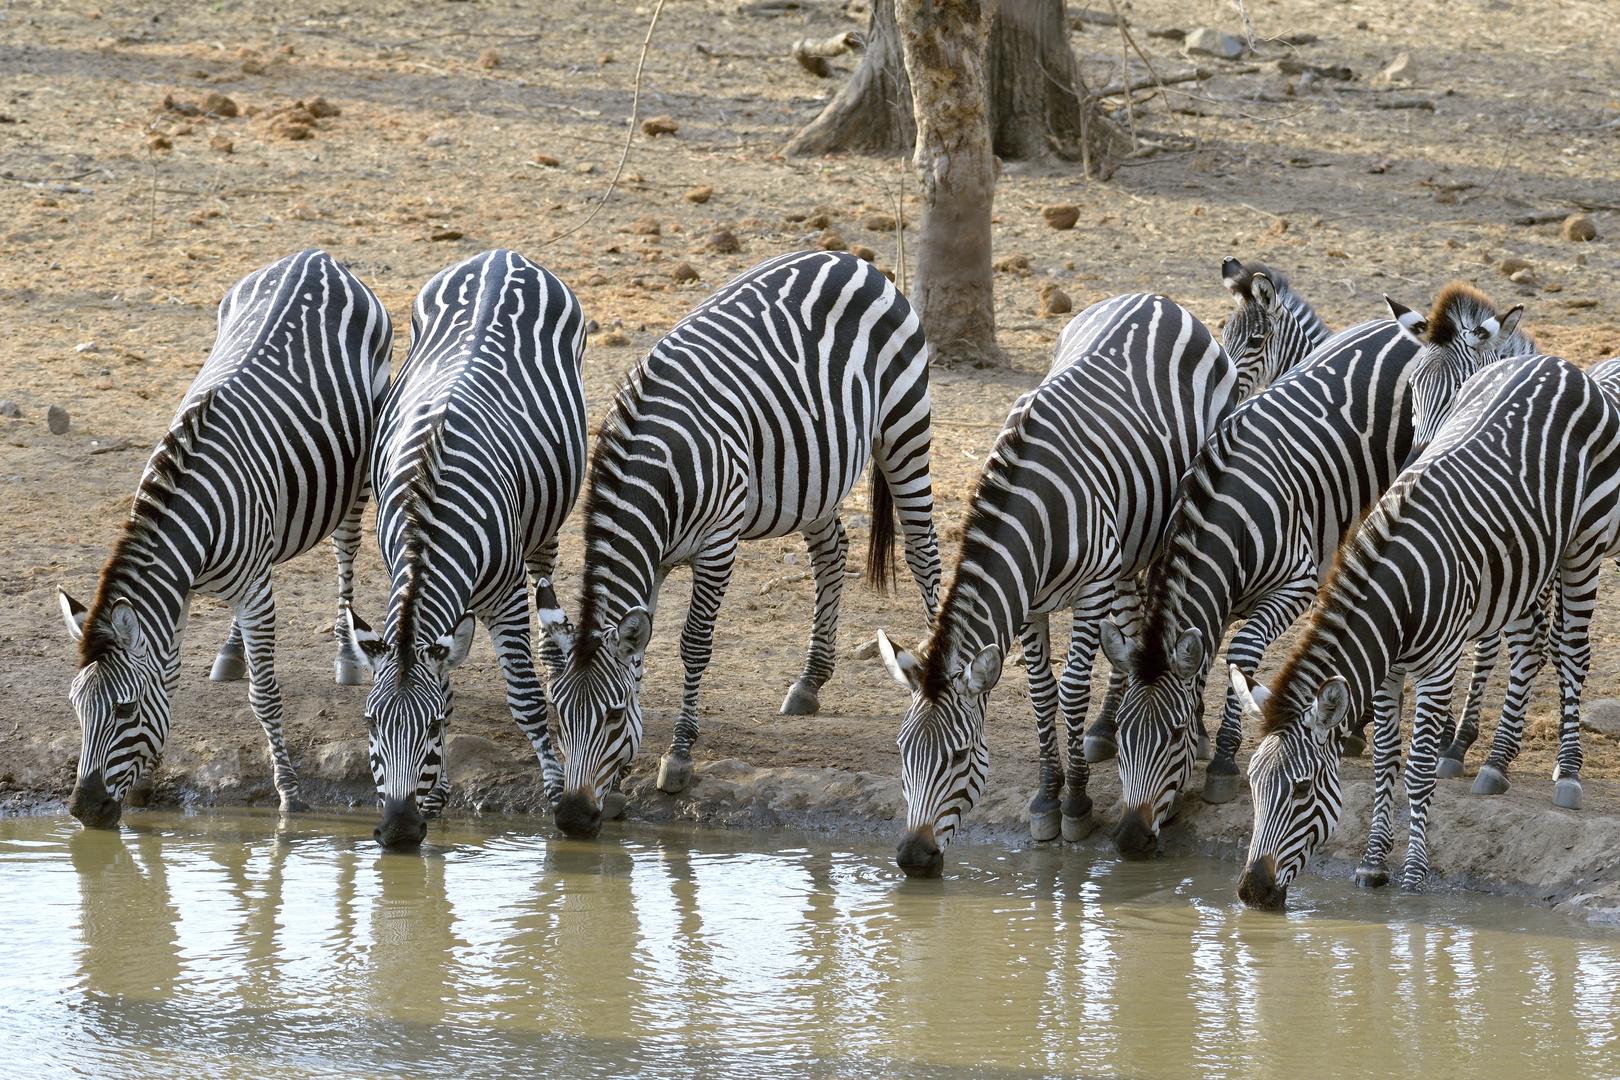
(1518,490)
(266,457)
(1272,329)
(752,418)
(1068,509)
(480,455)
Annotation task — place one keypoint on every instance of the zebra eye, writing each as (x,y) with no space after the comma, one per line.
(1302,787)
(124,710)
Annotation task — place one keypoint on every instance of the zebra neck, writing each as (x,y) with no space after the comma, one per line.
(156,578)
(1190,587)
(1347,637)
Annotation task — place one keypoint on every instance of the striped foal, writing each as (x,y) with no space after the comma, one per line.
(752,418)
(266,457)
(1067,510)
(1518,490)
(1272,329)
(480,454)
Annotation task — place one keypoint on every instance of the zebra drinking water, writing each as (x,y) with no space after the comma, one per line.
(480,455)
(265,457)
(752,418)
(1068,508)
(1520,488)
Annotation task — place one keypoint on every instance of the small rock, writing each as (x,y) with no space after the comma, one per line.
(1527,276)
(831,241)
(1278,227)
(10,410)
(546,161)
(56,418)
(683,272)
(1602,716)
(291,127)
(1401,69)
(253,67)
(613,337)
(1011,263)
(647,226)
(659,125)
(867,651)
(1208,42)
(1061,215)
(1513,264)
(86,346)
(1580,228)
(700,195)
(489,59)
(444,234)
(222,144)
(814,221)
(1054,301)
(303,212)
(605,58)
(596,279)
(723,242)
(585,167)
(218,104)
(861,251)
(1379,164)
(879,222)
(160,142)
(320,108)
(886,272)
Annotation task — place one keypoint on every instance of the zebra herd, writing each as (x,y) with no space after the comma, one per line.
(1415,486)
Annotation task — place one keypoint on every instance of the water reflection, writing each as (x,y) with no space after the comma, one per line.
(222,945)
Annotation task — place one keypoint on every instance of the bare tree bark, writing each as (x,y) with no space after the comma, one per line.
(871,113)
(944,43)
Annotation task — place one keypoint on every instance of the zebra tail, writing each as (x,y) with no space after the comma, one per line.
(880,553)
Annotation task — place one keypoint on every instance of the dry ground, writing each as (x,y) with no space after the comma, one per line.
(108,241)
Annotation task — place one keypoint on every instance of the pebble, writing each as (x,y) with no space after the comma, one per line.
(684,272)
(303,212)
(867,651)
(222,144)
(1061,215)
(218,104)
(723,242)
(1579,228)
(700,195)
(444,234)
(659,125)
(1011,263)
(320,108)
(56,418)
(489,59)
(647,226)
(596,279)
(546,161)
(1401,69)
(10,410)
(613,337)
(1527,276)
(829,240)
(879,222)
(159,142)
(1209,42)
(1513,264)
(86,346)
(1054,301)
(585,167)
(294,128)
(861,251)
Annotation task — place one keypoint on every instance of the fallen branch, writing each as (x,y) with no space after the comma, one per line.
(1144,82)
(1404,103)
(812,53)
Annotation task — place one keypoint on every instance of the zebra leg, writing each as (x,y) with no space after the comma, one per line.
(1044,807)
(1101,739)
(1074,698)
(1577,597)
(829,550)
(1431,716)
(540,567)
(231,663)
(1527,653)
(1450,766)
(525,696)
(348,669)
(257,617)
(711,574)
(1223,780)
(1373,873)
(906,468)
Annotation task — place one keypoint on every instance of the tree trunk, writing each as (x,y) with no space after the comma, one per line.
(1033,82)
(944,44)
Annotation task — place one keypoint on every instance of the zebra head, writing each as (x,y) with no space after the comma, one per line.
(1164,690)
(597,692)
(943,753)
(1294,779)
(123,709)
(1272,329)
(406,711)
(1462,334)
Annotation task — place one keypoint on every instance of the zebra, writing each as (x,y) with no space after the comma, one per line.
(1068,507)
(1520,487)
(265,457)
(1258,519)
(480,455)
(752,418)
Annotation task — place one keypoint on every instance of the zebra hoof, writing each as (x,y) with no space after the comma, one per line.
(1490,781)
(293,805)
(349,672)
(1203,751)
(613,804)
(1354,745)
(801,700)
(228,667)
(1567,793)
(674,774)
(1220,789)
(1100,748)
(1076,829)
(1043,824)
(1415,881)
(1372,876)
(1448,768)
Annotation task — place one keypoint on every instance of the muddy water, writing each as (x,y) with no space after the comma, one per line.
(222,945)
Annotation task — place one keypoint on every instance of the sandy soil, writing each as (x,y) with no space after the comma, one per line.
(110,241)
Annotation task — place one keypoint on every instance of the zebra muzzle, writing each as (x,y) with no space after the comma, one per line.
(1134,836)
(403,826)
(92,805)
(1258,886)
(579,815)
(919,855)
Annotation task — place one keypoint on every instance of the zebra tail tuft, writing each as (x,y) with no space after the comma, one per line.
(880,551)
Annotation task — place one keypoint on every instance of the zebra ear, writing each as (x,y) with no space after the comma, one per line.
(1332,702)
(1509,322)
(1232,278)
(1252,696)
(73,613)
(1117,647)
(635,630)
(1412,323)
(356,638)
(1264,291)
(451,649)
(1189,654)
(982,672)
(126,627)
(905,668)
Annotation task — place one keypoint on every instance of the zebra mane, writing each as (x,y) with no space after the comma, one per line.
(1364,546)
(1461,307)
(420,494)
(153,497)
(1164,592)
